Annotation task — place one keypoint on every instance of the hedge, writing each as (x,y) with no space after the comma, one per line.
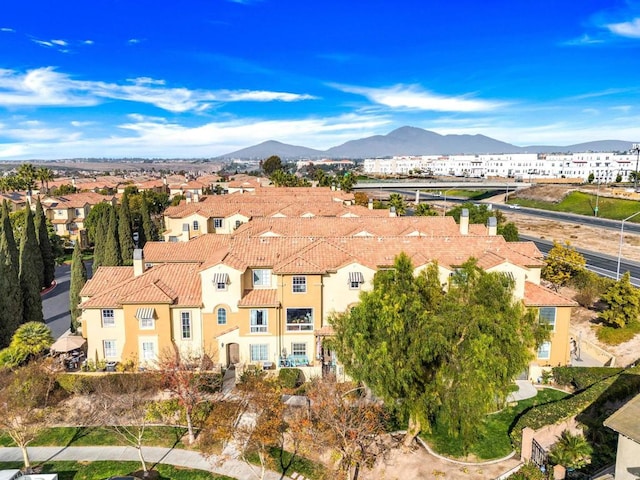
(290,377)
(78,383)
(614,388)
(582,377)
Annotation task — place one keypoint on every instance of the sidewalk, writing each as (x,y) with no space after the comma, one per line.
(182,458)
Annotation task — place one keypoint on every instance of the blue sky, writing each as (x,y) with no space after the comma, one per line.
(201,78)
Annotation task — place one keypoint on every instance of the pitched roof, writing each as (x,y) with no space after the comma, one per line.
(625,420)
(538,296)
(104,279)
(200,249)
(175,283)
(259,298)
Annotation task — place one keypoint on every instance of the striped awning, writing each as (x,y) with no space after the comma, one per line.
(145,313)
(221,278)
(356,277)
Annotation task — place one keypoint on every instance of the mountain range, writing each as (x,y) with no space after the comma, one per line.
(416,141)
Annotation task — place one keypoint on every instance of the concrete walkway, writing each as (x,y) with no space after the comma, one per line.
(182,458)
(525,390)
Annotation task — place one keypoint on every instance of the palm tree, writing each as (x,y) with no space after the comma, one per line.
(571,451)
(396,200)
(27,176)
(45,175)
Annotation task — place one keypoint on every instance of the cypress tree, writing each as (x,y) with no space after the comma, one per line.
(7,229)
(125,232)
(78,279)
(31,272)
(148,232)
(11,297)
(102,225)
(111,256)
(49,262)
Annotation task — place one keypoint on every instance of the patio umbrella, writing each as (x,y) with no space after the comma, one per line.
(68,343)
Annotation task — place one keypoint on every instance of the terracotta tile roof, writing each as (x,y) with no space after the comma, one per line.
(106,278)
(326,331)
(228,330)
(174,283)
(201,249)
(538,296)
(76,200)
(259,298)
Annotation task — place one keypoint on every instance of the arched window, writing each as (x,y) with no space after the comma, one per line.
(222,316)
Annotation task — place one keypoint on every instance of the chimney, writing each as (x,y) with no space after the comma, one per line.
(164,180)
(464,222)
(138,262)
(492,224)
(28,196)
(188,197)
(73,181)
(370,205)
(417,197)
(392,212)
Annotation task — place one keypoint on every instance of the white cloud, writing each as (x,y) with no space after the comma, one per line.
(413,97)
(88,42)
(61,43)
(47,87)
(584,40)
(134,41)
(6,29)
(43,43)
(626,29)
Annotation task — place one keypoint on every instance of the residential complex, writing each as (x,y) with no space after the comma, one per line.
(264,293)
(605,167)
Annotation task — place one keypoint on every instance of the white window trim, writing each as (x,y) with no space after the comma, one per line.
(293,351)
(112,318)
(299,329)
(549,350)
(152,326)
(260,347)
(189,316)
(259,329)
(555,318)
(302,285)
(265,280)
(225,316)
(218,222)
(115,348)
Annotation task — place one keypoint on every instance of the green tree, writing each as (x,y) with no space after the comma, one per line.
(562,264)
(347,182)
(11,297)
(7,231)
(31,272)
(44,175)
(30,340)
(78,279)
(509,231)
(591,177)
(571,451)
(424,210)
(27,176)
(623,303)
(271,164)
(451,377)
(65,189)
(44,242)
(93,221)
(125,231)
(478,214)
(396,200)
(282,179)
(149,231)
(111,255)
(618,178)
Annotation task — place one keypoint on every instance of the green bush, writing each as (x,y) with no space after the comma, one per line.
(617,335)
(78,383)
(614,388)
(290,377)
(582,377)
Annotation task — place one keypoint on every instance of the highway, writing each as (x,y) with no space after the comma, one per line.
(600,263)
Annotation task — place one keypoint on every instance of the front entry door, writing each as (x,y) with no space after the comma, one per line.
(233,353)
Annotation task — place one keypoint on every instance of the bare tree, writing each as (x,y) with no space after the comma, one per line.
(346,421)
(122,405)
(26,396)
(189,378)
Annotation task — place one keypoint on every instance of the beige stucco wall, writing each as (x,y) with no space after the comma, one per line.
(212,297)
(560,346)
(161,332)
(193,346)
(627,458)
(96,334)
(338,297)
(519,275)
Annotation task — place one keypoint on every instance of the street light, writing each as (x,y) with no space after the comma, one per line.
(636,148)
(621,240)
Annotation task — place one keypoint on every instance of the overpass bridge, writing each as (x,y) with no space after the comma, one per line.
(468,184)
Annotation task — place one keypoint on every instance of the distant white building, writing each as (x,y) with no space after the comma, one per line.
(605,166)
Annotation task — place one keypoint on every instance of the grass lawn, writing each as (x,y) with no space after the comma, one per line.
(494,441)
(470,194)
(101,470)
(96,436)
(584,204)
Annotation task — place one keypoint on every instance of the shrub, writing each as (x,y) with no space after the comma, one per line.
(290,377)
(582,377)
(616,335)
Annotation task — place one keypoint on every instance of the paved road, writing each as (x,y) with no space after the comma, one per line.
(600,263)
(170,456)
(55,304)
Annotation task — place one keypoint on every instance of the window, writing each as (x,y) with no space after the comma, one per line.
(238,223)
(217,223)
(77,212)
(259,352)
(355,280)
(299,319)
(173,238)
(221,280)
(262,278)
(147,324)
(109,347)
(544,352)
(185,323)
(148,351)
(145,317)
(298,349)
(222,316)
(259,321)
(108,319)
(299,284)
(547,315)
(196,225)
